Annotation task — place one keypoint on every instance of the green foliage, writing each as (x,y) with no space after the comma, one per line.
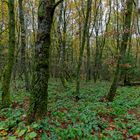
(89,118)
(30,136)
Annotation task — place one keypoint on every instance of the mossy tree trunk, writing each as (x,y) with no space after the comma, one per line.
(10,60)
(23,45)
(39,93)
(62,43)
(125,73)
(88,68)
(88,73)
(123,47)
(97,57)
(88,11)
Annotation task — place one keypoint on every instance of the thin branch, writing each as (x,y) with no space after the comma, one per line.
(57,3)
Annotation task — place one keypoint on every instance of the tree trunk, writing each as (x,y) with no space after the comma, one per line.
(97,53)
(39,94)
(88,74)
(62,44)
(23,45)
(89,2)
(10,60)
(125,38)
(88,68)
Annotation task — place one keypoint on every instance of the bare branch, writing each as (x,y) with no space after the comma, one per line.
(57,3)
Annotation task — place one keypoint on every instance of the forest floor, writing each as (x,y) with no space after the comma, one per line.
(91,118)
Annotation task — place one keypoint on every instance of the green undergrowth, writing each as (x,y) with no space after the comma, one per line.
(90,118)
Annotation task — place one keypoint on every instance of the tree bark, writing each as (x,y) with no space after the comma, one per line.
(23,45)
(39,94)
(6,101)
(88,68)
(89,2)
(125,38)
(62,43)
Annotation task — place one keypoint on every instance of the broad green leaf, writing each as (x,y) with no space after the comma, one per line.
(32,135)
(44,136)
(12,138)
(22,132)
